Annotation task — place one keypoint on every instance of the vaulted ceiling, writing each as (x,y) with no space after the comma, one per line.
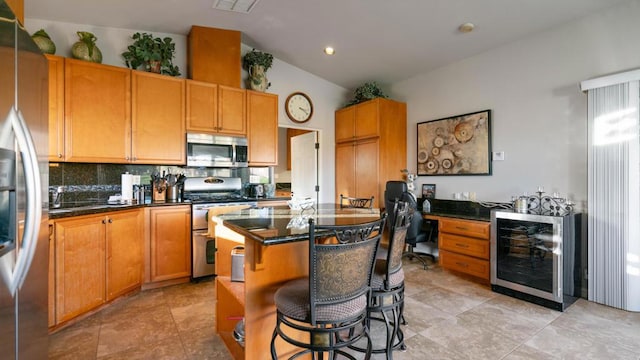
(375,40)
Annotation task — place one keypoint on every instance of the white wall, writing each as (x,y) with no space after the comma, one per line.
(284,78)
(539,115)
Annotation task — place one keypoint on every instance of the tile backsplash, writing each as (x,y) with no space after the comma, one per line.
(92,183)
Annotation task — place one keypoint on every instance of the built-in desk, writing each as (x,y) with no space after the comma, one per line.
(463,243)
(276,251)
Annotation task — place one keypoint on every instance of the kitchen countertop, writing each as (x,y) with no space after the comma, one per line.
(468,210)
(272,225)
(69,210)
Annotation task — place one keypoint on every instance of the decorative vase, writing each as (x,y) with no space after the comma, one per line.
(42,39)
(257,78)
(154,66)
(86,49)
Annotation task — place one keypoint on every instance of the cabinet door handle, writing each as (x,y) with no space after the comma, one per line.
(462,245)
(464,265)
(59,156)
(110,221)
(461,228)
(104,221)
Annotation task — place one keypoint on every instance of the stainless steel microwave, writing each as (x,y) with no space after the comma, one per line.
(205,150)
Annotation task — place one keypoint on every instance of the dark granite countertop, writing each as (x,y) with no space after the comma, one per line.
(272,225)
(89,209)
(468,210)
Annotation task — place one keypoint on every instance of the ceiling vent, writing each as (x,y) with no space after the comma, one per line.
(241,6)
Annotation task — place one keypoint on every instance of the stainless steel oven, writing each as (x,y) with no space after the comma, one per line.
(206,193)
(537,257)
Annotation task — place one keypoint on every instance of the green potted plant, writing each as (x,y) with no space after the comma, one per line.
(257,62)
(153,53)
(366,92)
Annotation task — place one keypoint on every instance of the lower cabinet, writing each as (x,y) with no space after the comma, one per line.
(169,243)
(464,246)
(97,258)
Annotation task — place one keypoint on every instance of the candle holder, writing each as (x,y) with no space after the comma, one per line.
(541,204)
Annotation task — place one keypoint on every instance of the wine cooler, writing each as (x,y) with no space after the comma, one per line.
(537,257)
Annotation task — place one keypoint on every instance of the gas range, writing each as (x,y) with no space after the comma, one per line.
(205,193)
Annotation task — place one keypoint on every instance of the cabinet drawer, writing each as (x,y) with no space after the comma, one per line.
(464,245)
(477,229)
(465,264)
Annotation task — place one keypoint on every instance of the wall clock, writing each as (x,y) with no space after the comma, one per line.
(299,107)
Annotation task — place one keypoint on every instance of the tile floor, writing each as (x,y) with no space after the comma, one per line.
(449,318)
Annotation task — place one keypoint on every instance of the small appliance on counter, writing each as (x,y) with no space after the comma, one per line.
(256,190)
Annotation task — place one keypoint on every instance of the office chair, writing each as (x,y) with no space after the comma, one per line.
(420,231)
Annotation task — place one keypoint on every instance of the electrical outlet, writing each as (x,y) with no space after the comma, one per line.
(498,155)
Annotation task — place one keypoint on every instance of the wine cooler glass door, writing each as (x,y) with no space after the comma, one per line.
(528,257)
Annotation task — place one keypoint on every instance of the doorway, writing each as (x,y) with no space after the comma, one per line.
(297,169)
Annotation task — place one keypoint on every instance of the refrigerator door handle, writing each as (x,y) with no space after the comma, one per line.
(14,274)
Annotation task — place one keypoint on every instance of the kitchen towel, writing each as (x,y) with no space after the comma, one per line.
(127,187)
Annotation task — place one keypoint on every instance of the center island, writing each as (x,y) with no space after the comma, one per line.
(276,250)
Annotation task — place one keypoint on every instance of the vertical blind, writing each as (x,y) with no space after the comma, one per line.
(614,195)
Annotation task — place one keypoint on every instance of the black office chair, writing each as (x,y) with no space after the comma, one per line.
(420,231)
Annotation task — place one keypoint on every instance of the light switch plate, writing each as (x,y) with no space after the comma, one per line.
(498,155)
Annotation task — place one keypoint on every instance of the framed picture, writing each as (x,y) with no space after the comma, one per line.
(428,191)
(457,145)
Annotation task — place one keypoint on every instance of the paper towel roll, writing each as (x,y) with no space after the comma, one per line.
(127,187)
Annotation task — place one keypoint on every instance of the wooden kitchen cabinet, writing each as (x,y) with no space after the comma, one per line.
(80,265)
(371,147)
(262,126)
(464,246)
(215,109)
(169,240)
(158,119)
(357,164)
(363,120)
(17,6)
(97,258)
(56,107)
(124,252)
(97,112)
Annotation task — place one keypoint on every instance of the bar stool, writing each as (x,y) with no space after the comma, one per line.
(356,202)
(331,304)
(387,282)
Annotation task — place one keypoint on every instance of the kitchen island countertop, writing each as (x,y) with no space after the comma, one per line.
(273,225)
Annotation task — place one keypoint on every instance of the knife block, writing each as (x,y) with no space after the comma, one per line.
(159,191)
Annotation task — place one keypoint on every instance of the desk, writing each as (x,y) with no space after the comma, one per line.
(463,245)
(276,251)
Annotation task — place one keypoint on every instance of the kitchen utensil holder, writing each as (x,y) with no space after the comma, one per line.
(173,192)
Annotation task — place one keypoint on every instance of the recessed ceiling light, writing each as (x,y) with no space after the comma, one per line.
(466,27)
(329,50)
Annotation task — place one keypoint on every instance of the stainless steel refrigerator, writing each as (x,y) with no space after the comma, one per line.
(24,247)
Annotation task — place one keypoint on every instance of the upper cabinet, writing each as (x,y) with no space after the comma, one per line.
(18,9)
(360,121)
(215,109)
(99,127)
(213,56)
(262,122)
(158,125)
(56,107)
(97,112)
(371,147)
